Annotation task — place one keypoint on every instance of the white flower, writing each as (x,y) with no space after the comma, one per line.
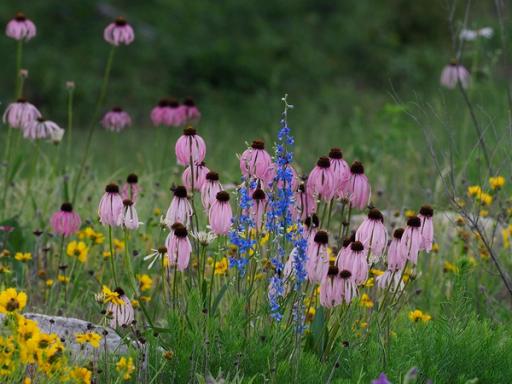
(154,256)
(57,135)
(204,237)
(486,32)
(471,35)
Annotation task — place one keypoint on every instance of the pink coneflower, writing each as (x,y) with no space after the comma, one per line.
(311,224)
(158,112)
(209,190)
(317,263)
(358,187)
(452,74)
(372,233)
(131,189)
(305,202)
(342,261)
(348,286)
(65,222)
(411,241)
(121,315)
(256,162)
(340,170)
(116,120)
(396,258)
(258,207)
(119,32)
(191,114)
(356,257)
(20,113)
(180,210)
(42,129)
(190,147)
(331,288)
(321,180)
(129,218)
(200,172)
(20,28)
(220,214)
(111,206)
(178,247)
(427,227)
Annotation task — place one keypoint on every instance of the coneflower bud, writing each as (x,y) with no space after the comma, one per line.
(189,131)
(112,188)
(323,162)
(66,207)
(321,237)
(258,144)
(357,246)
(132,178)
(162,250)
(212,176)
(222,196)
(335,153)
(427,211)
(180,191)
(398,233)
(414,222)
(357,168)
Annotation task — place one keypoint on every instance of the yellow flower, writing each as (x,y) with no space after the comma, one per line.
(221,266)
(27,380)
(80,375)
(485,198)
(365,301)
(111,296)
(118,245)
(23,257)
(63,279)
(435,247)
(376,272)
(418,315)
(135,303)
(496,182)
(157,212)
(49,283)
(369,283)
(91,338)
(450,267)
(264,238)
(409,213)
(310,315)
(483,213)
(145,282)
(77,249)
(106,254)
(4,269)
(125,367)
(89,233)
(145,299)
(474,190)
(12,301)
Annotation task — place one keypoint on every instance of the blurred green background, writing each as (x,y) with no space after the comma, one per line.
(340,62)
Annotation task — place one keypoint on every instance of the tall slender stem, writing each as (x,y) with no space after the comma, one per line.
(112,262)
(99,105)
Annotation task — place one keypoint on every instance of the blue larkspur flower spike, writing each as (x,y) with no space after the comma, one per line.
(281,223)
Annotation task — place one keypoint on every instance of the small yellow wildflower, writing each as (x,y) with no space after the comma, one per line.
(264,238)
(77,249)
(496,182)
(49,283)
(435,247)
(111,296)
(145,282)
(450,267)
(23,256)
(135,303)
(369,283)
(409,213)
(81,375)
(125,367)
(4,269)
(365,301)
(376,272)
(418,315)
(63,279)
(91,234)
(27,380)
(310,315)
(157,212)
(118,245)
(221,266)
(145,299)
(12,301)
(474,190)
(483,213)
(91,338)
(106,254)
